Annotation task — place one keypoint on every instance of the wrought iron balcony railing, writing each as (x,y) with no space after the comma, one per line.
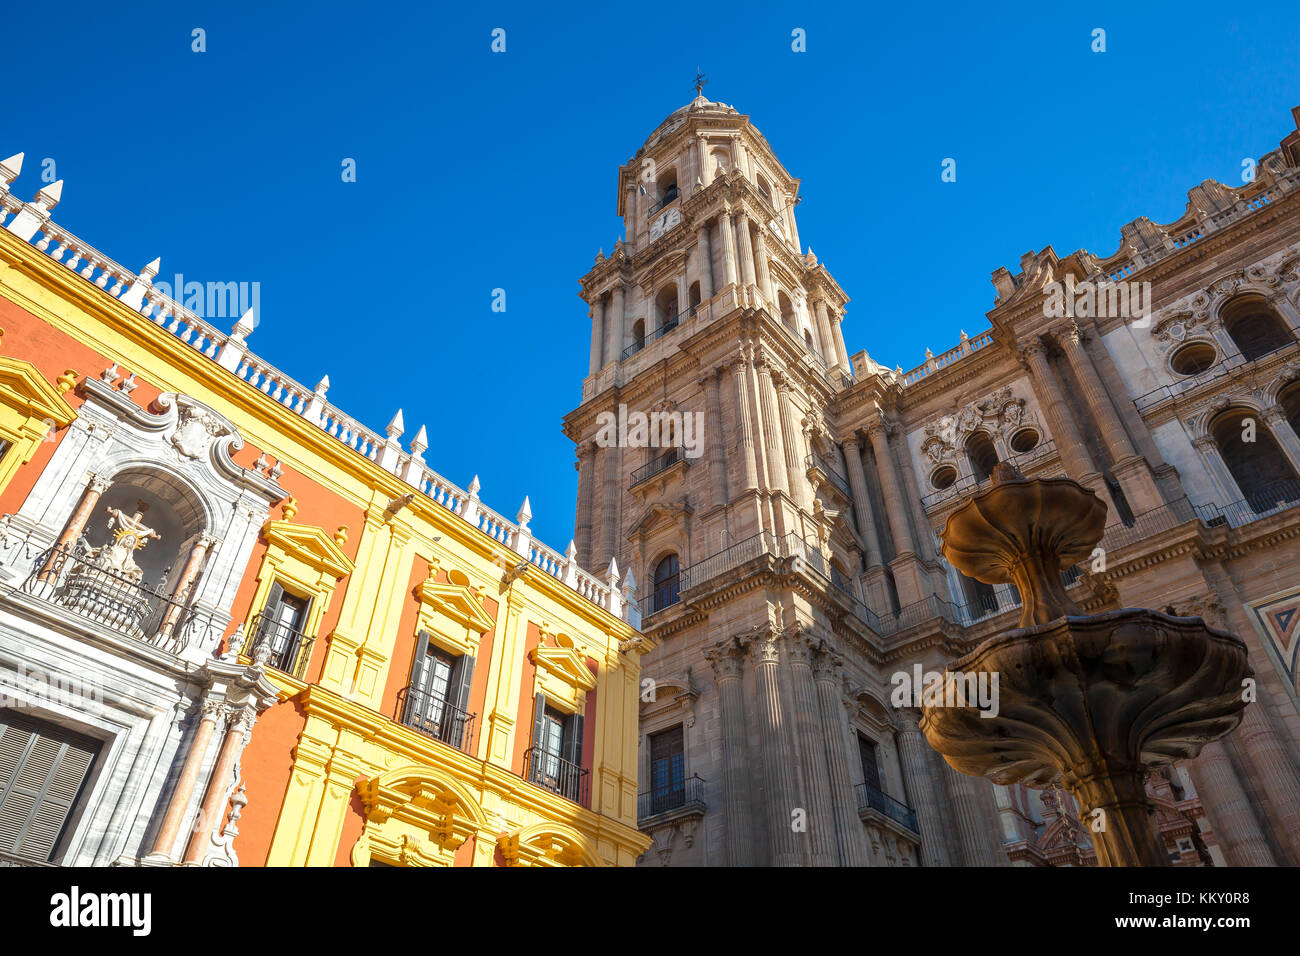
(434,716)
(666,594)
(659,463)
(668,325)
(557,775)
(676,796)
(822,465)
(869,798)
(72,577)
(289,649)
(668,197)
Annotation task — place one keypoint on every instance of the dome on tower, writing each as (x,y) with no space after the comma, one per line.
(678,116)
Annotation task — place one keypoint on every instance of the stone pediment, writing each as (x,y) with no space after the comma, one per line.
(656,513)
(562,672)
(457,602)
(28,391)
(310,545)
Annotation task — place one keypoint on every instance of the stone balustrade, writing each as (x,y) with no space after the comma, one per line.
(31,222)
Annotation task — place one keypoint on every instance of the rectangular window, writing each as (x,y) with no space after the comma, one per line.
(437,699)
(43,768)
(281,625)
(667,770)
(555,759)
(870,767)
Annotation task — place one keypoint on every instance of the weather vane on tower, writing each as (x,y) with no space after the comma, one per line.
(700,80)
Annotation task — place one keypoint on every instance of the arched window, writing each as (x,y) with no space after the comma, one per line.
(666,308)
(981,598)
(1254,326)
(764,190)
(982,454)
(787,311)
(1257,464)
(638,335)
(667,580)
(667,187)
(693,295)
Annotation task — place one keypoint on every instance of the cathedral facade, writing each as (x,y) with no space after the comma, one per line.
(778,502)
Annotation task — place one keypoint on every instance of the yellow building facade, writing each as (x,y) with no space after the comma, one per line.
(391,672)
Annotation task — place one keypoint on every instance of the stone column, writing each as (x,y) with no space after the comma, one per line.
(850,834)
(778,777)
(193,564)
(615,324)
(792,439)
(611,461)
(180,799)
(1072,339)
(920,784)
(1274,774)
(746,244)
(1280,427)
(613,332)
(862,501)
(824,333)
(926,534)
(67,541)
(745,426)
(214,800)
(837,336)
(790,224)
(1229,809)
(597,313)
(772,442)
(1069,442)
(974,833)
(822,823)
(728,666)
(1217,468)
(713,437)
(705,256)
(585,465)
(706,170)
(728,236)
(760,263)
(895,506)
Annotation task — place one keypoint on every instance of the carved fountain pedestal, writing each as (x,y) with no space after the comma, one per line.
(1091,703)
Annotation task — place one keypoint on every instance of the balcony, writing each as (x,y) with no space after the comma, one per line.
(877,807)
(79,579)
(557,775)
(684,798)
(816,465)
(666,594)
(667,326)
(658,465)
(289,648)
(669,196)
(434,716)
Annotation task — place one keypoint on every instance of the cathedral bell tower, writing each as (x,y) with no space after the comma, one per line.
(709,475)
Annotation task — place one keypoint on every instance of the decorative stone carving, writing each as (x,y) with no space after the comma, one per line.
(197,426)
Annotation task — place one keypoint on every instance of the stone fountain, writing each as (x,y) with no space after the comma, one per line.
(1088,702)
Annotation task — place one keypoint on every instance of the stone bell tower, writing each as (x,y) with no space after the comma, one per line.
(709,476)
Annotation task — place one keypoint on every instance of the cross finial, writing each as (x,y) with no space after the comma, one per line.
(700,80)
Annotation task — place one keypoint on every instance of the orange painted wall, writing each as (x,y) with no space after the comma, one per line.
(266,765)
(524,716)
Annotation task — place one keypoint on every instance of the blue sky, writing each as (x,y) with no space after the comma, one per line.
(478,171)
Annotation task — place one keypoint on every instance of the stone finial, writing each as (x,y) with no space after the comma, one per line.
(245,325)
(9,170)
(289,507)
(571,552)
(134,296)
(525,514)
(474,486)
(396,426)
(341,535)
(323,385)
(49,196)
(420,442)
(611,573)
(67,380)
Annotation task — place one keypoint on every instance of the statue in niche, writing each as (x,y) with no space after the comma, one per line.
(129,534)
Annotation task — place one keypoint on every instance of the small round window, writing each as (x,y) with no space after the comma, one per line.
(1024,440)
(944,477)
(1193,358)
